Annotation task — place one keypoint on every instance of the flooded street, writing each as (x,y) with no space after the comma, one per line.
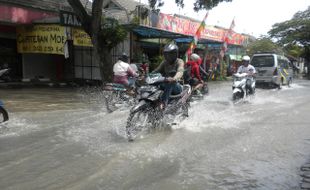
(60,138)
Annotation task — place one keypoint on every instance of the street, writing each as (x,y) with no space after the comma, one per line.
(63,138)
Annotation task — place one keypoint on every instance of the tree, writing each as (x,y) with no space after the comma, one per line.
(198,4)
(262,45)
(105,37)
(294,32)
(105,33)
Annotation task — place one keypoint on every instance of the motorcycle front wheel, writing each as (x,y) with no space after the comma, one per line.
(237,96)
(136,122)
(4,116)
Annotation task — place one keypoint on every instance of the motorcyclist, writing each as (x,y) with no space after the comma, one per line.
(122,71)
(172,68)
(195,78)
(249,70)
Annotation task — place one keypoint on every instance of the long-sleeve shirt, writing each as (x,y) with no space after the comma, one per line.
(248,69)
(195,70)
(121,72)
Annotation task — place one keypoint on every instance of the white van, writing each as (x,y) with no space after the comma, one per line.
(272,69)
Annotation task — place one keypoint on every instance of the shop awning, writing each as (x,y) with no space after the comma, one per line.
(200,41)
(151,32)
(235,57)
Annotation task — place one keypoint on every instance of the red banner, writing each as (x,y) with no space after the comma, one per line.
(21,15)
(189,27)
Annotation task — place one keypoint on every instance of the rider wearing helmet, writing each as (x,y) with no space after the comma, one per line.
(172,68)
(195,81)
(249,69)
(122,71)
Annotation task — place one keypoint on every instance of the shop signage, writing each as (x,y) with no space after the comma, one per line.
(49,39)
(69,19)
(189,27)
(81,38)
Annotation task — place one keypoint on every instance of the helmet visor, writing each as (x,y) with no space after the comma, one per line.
(170,56)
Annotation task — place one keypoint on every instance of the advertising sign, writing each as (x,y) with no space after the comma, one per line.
(189,27)
(81,38)
(49,39)
(69,19)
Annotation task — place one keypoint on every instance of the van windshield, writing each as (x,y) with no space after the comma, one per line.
(263,61)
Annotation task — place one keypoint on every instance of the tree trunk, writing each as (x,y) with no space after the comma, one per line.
(91,25)
(106,65)
(307,60)
(103,54)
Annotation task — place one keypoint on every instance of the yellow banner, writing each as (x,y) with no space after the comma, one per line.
(81,38)
(49,39)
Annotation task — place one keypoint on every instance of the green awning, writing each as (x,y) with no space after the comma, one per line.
(235,57)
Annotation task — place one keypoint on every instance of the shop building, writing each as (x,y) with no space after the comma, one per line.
(42,40)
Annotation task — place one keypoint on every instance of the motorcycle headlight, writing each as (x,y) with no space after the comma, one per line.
(238,78)
(144,94)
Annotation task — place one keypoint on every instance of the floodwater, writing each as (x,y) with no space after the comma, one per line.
(59,138)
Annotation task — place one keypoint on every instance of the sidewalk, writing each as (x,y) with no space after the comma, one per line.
(34,84)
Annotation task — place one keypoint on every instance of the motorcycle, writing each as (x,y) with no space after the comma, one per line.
(148,112)
(117,95)
(4,116)
(241,86)
(4,77)
(201,92)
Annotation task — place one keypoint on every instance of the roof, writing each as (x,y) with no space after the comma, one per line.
(129,5)
(56,5)
(118,9)
(151,32)
(47,5)
(122,10)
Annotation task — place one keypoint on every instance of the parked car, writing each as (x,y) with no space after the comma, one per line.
(273,69)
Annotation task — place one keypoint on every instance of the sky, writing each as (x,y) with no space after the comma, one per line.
(254,17)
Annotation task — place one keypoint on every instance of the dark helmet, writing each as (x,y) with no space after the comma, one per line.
(124,57)
(171,52)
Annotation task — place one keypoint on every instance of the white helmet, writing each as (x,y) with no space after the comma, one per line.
(246,58)
(194,57)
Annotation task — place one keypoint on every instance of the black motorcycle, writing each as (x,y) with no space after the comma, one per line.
(4,116)
(148,112)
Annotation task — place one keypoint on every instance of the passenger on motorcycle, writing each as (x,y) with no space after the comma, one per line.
(122,72)
(249,70)
(195,81)
(172,68)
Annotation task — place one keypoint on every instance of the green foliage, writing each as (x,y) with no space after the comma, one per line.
(294,34)
(156,61)
(294,50)
(295,31)
(111,33)
(263,45)
(198,4)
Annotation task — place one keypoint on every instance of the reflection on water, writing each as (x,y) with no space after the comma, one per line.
(65,139)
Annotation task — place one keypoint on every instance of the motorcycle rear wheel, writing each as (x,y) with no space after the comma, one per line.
(113,99)
(4,116)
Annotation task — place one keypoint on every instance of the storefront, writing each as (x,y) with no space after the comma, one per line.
(10,18)
(165,28)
